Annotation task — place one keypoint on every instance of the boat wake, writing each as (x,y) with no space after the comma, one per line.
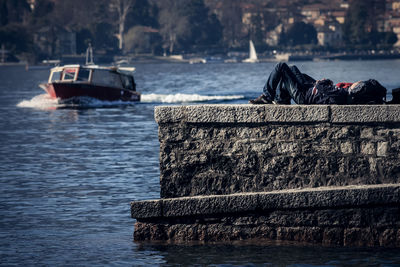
(185,98)
(44,101)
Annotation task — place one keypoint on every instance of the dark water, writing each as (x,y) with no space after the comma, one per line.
(68,173)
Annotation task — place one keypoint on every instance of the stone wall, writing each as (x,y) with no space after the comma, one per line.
(229,155)
(219,149)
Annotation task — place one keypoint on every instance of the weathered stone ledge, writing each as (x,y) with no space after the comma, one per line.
(278,113)
(325,197)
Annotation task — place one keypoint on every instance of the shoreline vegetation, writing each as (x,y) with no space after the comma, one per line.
(199,58)
(197,31)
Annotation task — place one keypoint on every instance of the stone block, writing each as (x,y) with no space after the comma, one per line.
(388,238)
(346,148)
(206,205)
(368,148)
(361,237)
(169,114)
(367,133)
(146,209)
(296,113)
(225,114)
(171,133)
(365,113)
(300,234)
(332,236)
(382,149)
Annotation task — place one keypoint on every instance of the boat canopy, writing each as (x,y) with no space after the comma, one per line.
(106,76)
(125,70)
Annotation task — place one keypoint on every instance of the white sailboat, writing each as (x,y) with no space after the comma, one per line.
(252,54)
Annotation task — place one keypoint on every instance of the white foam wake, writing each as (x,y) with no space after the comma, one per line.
(179,98)
(44,101)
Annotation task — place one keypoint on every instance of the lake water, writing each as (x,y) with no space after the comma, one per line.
(68,173)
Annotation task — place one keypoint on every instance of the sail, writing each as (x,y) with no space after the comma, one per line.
(253,54)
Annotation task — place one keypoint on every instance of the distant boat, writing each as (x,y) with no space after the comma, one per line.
(197,60)
(103,83)
(252,54)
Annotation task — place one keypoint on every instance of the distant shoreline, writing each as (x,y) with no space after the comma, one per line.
(287,57)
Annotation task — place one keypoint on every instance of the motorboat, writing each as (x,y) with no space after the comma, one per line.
(103,83)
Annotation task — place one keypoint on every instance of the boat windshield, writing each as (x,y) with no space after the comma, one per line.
(55,76)
(83,75)
(69,74)
(106,77)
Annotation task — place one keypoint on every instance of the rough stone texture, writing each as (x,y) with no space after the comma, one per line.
(315,198)
(317,174)
(361,226)
(278,113)
(226,149)
(366,215)
(365,114)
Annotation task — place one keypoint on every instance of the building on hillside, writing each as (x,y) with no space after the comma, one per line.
(327,19)
(391,19)
(313,12)
(272,37)
(396,6)
(329,35)
(393,24)
(340,16)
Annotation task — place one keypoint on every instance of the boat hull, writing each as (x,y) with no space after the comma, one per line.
(71,90)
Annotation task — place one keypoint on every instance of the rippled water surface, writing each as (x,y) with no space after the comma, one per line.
(68,173)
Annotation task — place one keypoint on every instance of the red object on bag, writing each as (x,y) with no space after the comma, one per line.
(344,85)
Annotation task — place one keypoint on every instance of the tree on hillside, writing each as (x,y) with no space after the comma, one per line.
(42,15)
(174,24)
(122,8)
(15,38)
(91,20)
(14,35)
(231,20)
(187,24)
(360,21)
(102,29)
(142,39)
(14,11)
(142,13)
(256,33)
(355,24)
(300,33)
(205,28)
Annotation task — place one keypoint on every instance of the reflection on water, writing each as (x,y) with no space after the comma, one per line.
(68,174)
(271,254)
